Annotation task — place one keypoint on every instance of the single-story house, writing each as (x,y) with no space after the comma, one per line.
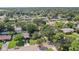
(77,28)
(4,33)
(18,29)
(67,30)
(5,37)
(25,17)
(54,19)
(44,18)
(2,17)
(12,19)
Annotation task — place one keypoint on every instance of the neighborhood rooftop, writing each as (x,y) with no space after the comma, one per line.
(5,37)
(67,30)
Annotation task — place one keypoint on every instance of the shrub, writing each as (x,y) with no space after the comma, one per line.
(12,44)
(20,43)
(18,37)
(0,45)
(32,42)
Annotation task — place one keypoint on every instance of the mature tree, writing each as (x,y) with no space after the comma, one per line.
(9,26)
(19,40)
(62,43)
(76,18)
(70,25)
(18,37)
(39,21)
(22,25)
(70,16)
(31,27)
(58,37)
(59,24)
(12,44)
(36,35)
(6,19)
(2,27)
(68,42)
(74,45)
(48,31)
(1,45)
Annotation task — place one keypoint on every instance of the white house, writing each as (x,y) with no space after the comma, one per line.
(67,30)
(18,29)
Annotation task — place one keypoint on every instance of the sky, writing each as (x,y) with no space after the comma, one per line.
(39,3)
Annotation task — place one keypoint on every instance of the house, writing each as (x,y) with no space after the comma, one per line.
(67,30)
(77,28)
(44,18)
(26,35)
(4,33)
(2,17)
(5,37)
(18,29)
(25,17)
(12,19)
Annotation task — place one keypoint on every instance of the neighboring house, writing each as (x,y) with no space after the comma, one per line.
(5,37)
(18,29)
(12,19)
(54,19)
(67,30)
(4,33)
(2,17)
(77,28)
(25,17)
(50,23)
(45,18)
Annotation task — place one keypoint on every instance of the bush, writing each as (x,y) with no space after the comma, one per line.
(0,45)
(20,43)
(39,41)
(12,44)
(18,37)
(32,42)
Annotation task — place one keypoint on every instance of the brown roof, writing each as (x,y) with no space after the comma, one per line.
(5,37)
